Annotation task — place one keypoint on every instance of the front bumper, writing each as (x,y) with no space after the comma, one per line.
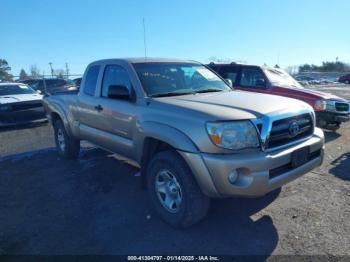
(326,117)
(258,173)
(16,118)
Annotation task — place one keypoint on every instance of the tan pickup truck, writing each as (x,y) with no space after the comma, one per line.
(193,136)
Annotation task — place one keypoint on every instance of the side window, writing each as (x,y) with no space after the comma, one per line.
(114,75)
(229,72)
(59,82)
(252,77)
(50,83)
(91,80)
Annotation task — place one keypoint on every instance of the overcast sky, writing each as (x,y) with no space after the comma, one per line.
(290,32)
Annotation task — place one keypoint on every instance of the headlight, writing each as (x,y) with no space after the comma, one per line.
(233,135)
(320,105)
(4,108)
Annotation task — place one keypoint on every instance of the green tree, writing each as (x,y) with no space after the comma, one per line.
(23,75)
(326,67)
(5,71)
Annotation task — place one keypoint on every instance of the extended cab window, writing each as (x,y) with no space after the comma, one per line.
(91,80)
(114,75)
(229,72)
(252,77)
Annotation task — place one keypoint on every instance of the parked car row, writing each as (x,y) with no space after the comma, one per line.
(330,110)
(307,80)
(49,85)
(21,102)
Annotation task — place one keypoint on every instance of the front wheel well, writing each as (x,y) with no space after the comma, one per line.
(151,147)
(55,117)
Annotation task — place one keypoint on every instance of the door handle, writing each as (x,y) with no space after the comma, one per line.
(98,108)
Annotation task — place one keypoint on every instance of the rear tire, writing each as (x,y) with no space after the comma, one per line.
(67,146)
(174,192)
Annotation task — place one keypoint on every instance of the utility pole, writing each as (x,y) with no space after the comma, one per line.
(67,70)
(51,69)
(144,37)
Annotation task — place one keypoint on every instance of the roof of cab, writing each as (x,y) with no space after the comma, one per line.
(241,65)
(135,60)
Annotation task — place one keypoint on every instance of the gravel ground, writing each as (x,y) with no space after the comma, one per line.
(94,205)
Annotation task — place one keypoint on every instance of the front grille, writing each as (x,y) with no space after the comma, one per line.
(342,107)
(25,106)
(280,133)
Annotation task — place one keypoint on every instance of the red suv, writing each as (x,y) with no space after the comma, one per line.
(330,110)
(344,79)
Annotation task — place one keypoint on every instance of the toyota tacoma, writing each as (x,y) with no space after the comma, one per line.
(193,136)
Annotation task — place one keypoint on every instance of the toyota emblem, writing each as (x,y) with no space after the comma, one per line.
(294,128)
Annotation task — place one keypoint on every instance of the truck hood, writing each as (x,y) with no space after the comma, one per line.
(19,98)
(304,92)
(236,104)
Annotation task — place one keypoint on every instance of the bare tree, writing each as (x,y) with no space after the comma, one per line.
(34,71)
(219,60)
(292,70)
(59,73)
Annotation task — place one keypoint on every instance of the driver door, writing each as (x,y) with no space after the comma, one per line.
(117,115)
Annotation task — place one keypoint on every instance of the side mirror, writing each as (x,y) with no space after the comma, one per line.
(260,83)
(229,82)
(39,92)
(119,92)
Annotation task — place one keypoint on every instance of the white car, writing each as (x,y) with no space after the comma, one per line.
(20,104)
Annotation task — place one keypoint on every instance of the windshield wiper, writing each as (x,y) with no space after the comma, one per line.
(209,90)
(187,93)
(171,94)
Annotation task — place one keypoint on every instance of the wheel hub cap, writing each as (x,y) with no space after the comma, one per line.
(60,139)
(168,191)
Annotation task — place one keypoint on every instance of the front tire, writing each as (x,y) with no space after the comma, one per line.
(67,146)
(174,192)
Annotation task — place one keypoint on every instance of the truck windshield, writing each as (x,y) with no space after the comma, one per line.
(280,78)
(6,90)
(171,79)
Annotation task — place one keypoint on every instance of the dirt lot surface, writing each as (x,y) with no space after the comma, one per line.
(94,205)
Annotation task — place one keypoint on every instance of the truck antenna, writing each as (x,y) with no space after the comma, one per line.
(144,37)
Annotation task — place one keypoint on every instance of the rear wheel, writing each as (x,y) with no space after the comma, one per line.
(174,192)
(67,146)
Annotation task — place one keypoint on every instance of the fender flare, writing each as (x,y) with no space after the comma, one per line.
(58,109)
(170,135)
